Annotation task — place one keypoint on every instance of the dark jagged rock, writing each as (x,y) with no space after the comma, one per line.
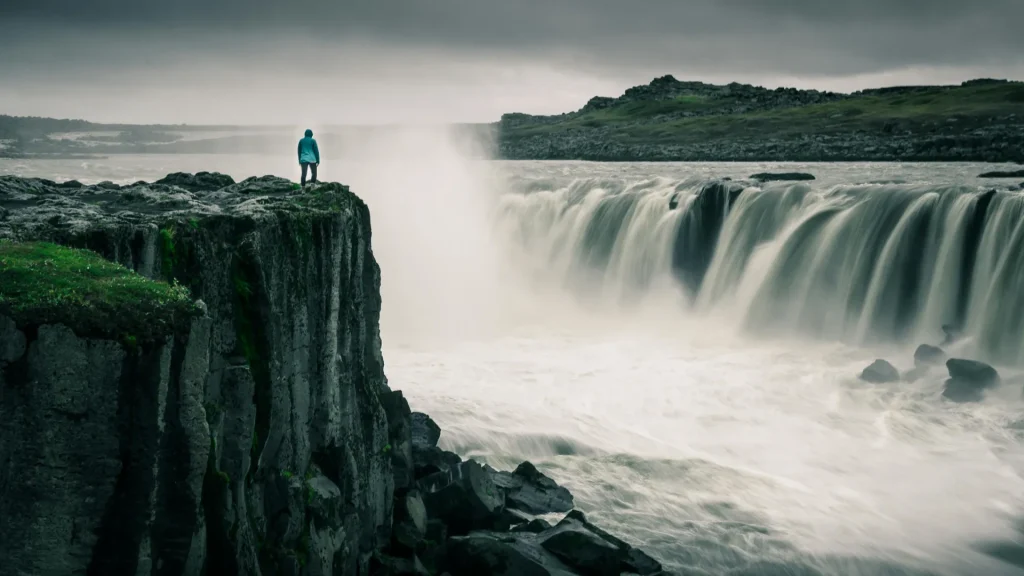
(968,380)
(631,560)
(781,176)
(432,460)
(425,432)
(880,372)
(410,521)
(384,565)
(535,526)
(396,407)
(584,551)
(1003,174)
(530,491)
(927,355)
(197,182)
(464,498)
(493,554)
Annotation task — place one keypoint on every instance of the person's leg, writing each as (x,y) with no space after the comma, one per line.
(304,165)
(312,169)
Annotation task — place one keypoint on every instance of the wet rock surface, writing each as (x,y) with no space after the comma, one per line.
(927,356)
(781,176)
(261,437)
(968,380)
(880,372)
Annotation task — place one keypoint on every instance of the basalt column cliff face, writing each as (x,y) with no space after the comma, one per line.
(242,433)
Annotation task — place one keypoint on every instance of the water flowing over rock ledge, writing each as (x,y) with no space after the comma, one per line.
(253,432)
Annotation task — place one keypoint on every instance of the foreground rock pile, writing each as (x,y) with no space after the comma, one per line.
(248,428)
(467,519)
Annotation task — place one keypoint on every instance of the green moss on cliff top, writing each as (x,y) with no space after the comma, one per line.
(43,283)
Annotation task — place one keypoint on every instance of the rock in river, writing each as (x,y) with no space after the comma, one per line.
(968,380)
(781,176)
(880,372)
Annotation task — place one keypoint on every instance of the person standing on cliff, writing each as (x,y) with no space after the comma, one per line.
(309,156)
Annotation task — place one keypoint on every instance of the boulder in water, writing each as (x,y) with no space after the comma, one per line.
(496,554)
(529,490)
(591,550)
(880,372)
(968,380)
(1003,174)
(927,355)
(781,176)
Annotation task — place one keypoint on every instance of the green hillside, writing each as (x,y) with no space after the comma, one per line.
(980,120)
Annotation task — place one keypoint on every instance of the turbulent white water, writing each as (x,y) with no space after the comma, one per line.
(685,358)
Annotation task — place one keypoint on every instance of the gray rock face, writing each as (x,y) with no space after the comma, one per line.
(968,380)
(927,355)
(425,432)
(530,491)
(254,443)
(880,372)
(464,497)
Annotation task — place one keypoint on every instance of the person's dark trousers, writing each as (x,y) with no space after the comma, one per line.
(312,167)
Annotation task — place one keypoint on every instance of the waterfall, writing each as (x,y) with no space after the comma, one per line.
(865,263)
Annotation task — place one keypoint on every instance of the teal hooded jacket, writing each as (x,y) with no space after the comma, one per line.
(308,150)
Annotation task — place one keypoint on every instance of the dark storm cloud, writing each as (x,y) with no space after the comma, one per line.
(799,37)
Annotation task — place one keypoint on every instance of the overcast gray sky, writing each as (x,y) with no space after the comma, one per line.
(381,61)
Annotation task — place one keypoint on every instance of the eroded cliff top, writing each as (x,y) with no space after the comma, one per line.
(43,283)
(34,209)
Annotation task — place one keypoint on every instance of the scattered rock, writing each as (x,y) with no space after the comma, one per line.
(781,176)
(594,551)
(492,554)
(880,372)
(535,526)
(968,380)
(1004,174)
(410,522)
(464,497)
(927,355)
(432,460)
(529,490)
(583,550)
(425,432)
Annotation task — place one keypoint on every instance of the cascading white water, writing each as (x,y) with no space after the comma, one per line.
(863,264)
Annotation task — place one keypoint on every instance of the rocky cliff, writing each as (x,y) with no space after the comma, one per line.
(191,383)
(250,439)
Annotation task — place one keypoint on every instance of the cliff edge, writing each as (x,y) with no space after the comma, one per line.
(191,383)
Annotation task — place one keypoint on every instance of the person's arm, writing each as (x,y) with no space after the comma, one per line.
(316,152)
(300,151)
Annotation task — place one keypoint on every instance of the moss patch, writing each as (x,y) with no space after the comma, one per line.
(43,283)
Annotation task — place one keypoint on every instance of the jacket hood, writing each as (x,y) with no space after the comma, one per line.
(309,133)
